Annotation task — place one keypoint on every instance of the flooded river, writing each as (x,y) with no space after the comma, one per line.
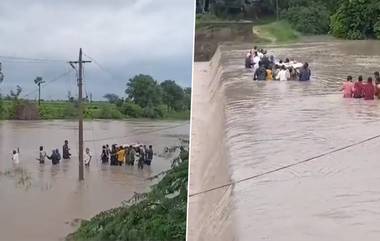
(298,144)
(44,206)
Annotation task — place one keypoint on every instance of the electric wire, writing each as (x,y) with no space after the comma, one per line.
(283,167)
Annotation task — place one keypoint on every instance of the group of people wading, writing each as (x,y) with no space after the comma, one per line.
(56,157)
(127,155)
(115,156)
(367,90)
(267,68)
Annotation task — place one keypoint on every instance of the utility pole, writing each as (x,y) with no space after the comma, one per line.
(277,11)
(80,63)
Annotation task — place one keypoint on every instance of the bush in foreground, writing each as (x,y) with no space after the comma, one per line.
(157,215)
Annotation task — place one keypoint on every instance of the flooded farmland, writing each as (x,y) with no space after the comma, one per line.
(45,201)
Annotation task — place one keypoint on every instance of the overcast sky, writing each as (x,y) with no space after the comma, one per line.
(126,37)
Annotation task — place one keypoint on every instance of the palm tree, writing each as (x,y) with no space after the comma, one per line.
(38,81)
(1,75)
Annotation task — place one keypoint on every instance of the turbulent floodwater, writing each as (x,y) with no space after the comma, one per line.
(270,125)
(44,206)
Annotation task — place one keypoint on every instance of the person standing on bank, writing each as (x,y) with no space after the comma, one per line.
(66,150)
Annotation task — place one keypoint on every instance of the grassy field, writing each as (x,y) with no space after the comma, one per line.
(212,31)
(95,110)
(279,31)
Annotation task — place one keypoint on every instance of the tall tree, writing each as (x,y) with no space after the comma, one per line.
(16,94)
(112,98)
(144,90)
(172,95)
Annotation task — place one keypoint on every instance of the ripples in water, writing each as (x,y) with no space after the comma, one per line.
(274,124)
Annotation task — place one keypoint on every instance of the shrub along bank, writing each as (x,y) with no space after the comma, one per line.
(157,215)
(349,19)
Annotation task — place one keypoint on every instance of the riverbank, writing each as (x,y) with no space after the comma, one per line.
(211,33)
(159,214)
(61,110)
(210,214)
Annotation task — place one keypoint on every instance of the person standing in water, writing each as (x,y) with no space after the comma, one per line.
(120,156)
(283,74)
(87,157)
(347,87)
(131,155)
(377,75)
(358,88)
(66,150)
(141,158)
(377,85)
(260,73)
(55,157)
(305,73)
(104,155)
(369,90)
(113,155)
(42,155)
(149,155)
(15,156)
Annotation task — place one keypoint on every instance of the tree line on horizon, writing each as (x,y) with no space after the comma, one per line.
(147,97)
(348,19)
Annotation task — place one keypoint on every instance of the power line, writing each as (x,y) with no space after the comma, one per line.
(49,82)
(31,59)
(284,167)
(101,67)
(137,134)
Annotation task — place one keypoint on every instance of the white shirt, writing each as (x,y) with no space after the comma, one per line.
(15,158)
(261,55)
(87,158)
(283,75)
(256,60)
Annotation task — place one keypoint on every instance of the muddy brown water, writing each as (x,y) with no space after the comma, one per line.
(271,125)
(46,206)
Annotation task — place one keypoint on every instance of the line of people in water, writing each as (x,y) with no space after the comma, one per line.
(115,156)
(127,155)
(367,91)
(267,68)
(56,157)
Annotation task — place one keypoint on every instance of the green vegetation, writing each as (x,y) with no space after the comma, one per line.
(146,98)
(349,19)
(280,31)
(157,215)
(357,19)
(311,17)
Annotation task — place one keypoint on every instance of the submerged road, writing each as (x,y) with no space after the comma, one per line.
(303,160)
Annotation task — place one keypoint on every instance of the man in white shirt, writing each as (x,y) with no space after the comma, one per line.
(87,157)
(15,157)
(283,75)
